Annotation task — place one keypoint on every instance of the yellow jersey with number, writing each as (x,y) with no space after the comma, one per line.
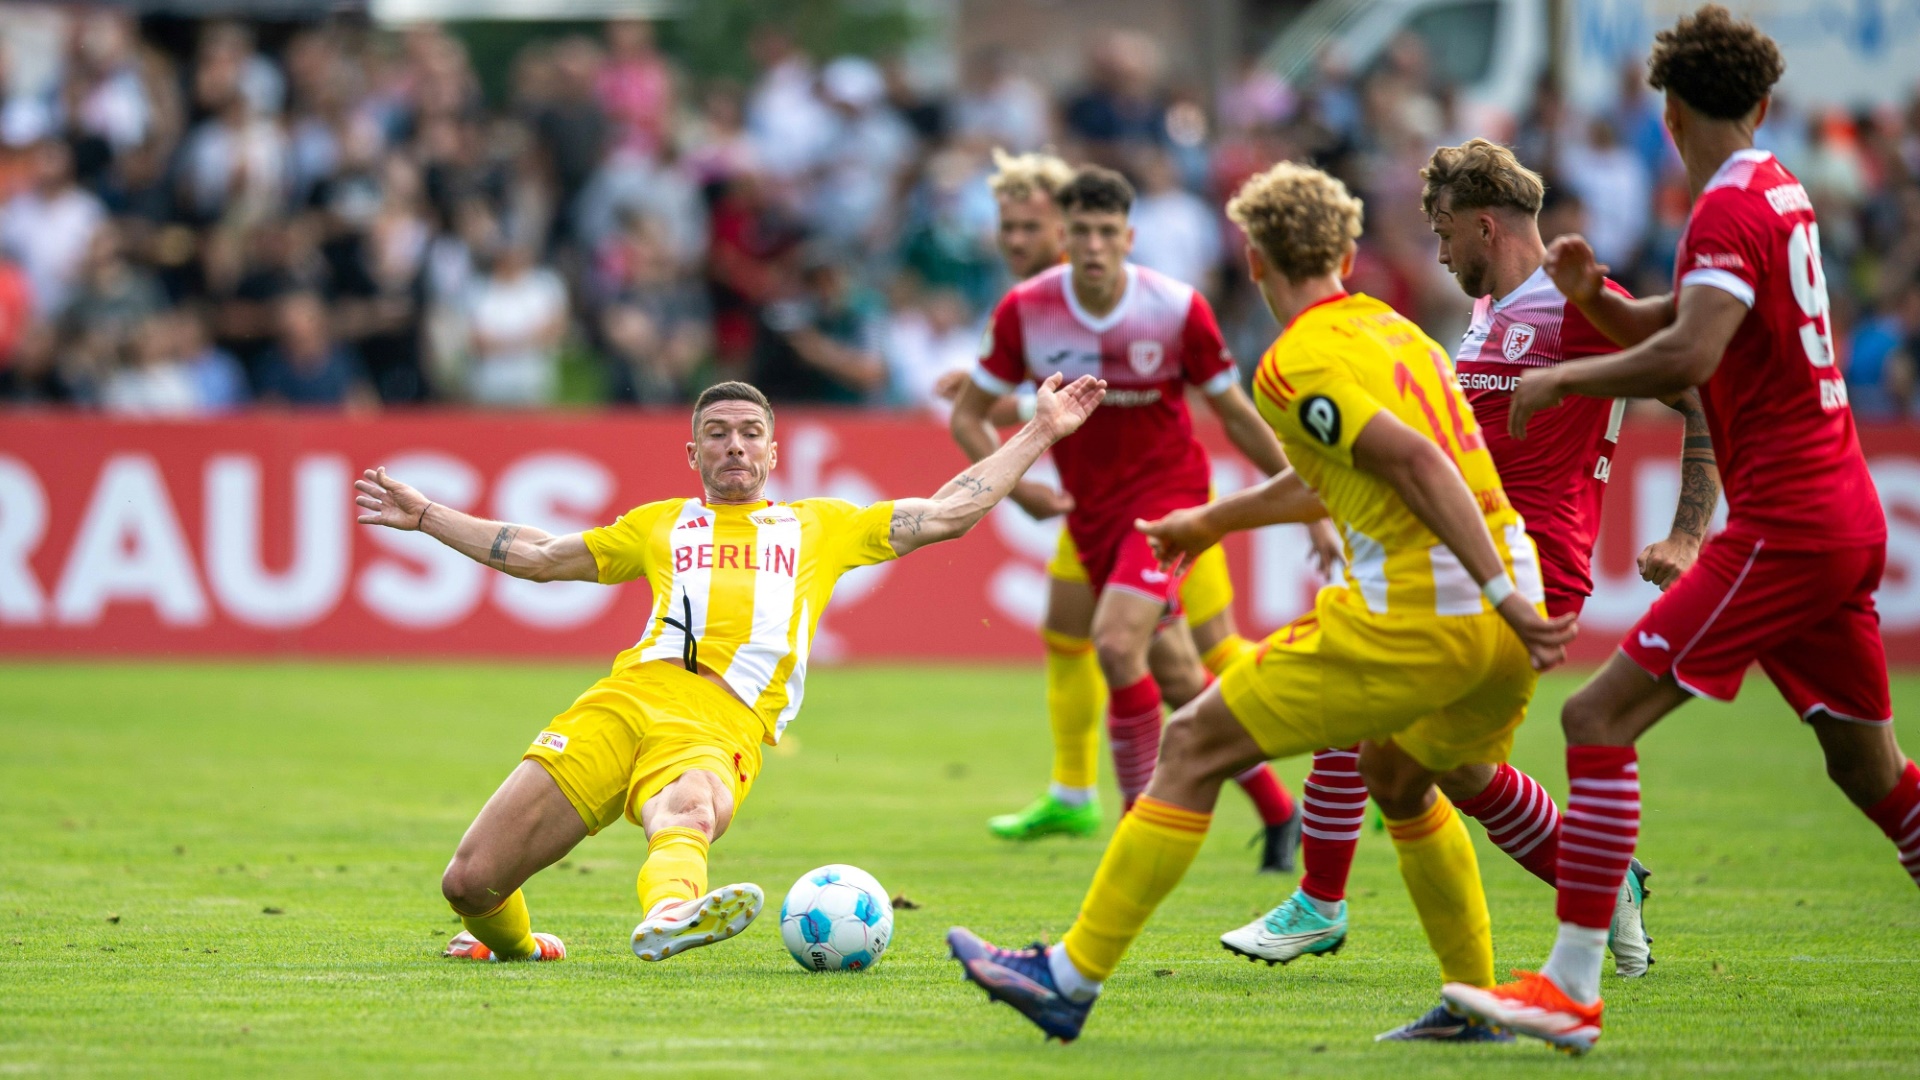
(739,589)
(1338,365)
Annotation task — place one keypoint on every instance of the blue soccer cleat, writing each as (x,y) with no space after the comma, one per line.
(1022,979)
(1441,1024)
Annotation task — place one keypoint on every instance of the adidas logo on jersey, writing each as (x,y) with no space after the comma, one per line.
(696,523)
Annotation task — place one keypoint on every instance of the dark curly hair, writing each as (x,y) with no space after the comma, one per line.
(1717,64)
(1097,190)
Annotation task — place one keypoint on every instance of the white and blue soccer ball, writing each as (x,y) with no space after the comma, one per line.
(836,918)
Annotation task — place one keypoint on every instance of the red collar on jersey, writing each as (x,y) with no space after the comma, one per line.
(1335,298)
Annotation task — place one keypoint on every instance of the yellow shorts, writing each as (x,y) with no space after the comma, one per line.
(640,729)
(1449,690)
(1207,591)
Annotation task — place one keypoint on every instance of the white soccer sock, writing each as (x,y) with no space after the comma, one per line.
(1574,964)
(1070,796)
(1328,909)
(1076,986)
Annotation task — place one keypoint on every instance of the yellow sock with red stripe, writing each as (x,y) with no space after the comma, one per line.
(1443,877)
(507,929)
(1150,853)
(676,867)
(1076,701)
(1230,648)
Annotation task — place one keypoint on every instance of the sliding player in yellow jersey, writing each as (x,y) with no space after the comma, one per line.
(1427,651)
(671,739)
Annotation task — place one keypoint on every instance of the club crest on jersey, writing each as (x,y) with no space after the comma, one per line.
(1145,356)
(1321,417)
(1518,340)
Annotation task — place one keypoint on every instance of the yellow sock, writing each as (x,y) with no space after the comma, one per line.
(1075,708)
(1230,648)
(507,929)
(1150,853)
(676,867)
(1443,877)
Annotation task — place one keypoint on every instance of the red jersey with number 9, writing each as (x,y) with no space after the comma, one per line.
(1783,433)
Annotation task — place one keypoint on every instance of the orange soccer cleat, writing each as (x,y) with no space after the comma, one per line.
(465,946)
(1535,1005)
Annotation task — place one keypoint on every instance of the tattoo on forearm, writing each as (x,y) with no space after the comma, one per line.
(971,483)
(909,521)
(1699,490)
(502,543)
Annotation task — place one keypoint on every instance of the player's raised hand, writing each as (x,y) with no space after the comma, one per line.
(1546,639)
(1058,411)
(1179,536)
(1663,561)
(386,501)
(1537,391)
(1574,272)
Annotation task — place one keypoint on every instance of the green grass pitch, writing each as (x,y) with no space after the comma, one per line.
(233,869)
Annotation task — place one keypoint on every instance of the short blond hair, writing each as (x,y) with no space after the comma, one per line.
(1300,218)
(1020,176)
(1480,175)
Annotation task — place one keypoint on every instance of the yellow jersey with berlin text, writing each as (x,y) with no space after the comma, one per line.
(1339,364)
(746,583)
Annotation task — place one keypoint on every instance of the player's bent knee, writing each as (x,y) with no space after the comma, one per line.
(1587,720)
(697,800)
(468,889)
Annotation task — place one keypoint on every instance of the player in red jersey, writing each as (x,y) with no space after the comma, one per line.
(1790,582)
(1157,336)
(1484,207)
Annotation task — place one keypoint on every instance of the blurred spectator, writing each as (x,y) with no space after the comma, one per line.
(112,295)
(823,345)
(1174,230)
(927,340)
(155,380)
(655,326)
(48,227)
(860,166)
(998,106)
(1615,188)
(517,314)
(306,366)
(573,128)
(1121,102)
(1881,358)
(787,121)
(219,382)
(635,88)
(16,309)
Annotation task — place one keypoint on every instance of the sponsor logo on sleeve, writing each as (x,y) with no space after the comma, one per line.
(1518,340)
(1145,356)
(1321,417)
(1718,260)
(1654,641)
(552,740)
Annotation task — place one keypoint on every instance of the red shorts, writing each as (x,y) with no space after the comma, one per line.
(1560,603)
(1126,562)
(1807,617)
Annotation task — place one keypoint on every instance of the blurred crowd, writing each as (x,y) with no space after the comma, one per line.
(343,219)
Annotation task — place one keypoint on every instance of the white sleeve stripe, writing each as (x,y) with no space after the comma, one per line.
(1725,280)
(991,383)
(1221,383)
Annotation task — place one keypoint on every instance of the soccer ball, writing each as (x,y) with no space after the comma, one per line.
(836,918)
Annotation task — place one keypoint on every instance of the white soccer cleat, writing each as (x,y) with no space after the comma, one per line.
(676,926)
(1294,929)
(1627,937)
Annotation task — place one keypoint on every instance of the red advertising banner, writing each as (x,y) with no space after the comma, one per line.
(236,537)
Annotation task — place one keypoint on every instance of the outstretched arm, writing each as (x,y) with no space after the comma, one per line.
(1625,320)
(964,500)
(1284,499)
(1663,561)
(520,550)
(1678,358)
(972,423)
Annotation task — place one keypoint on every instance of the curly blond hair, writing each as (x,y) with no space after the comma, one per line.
(1300,218)
(1480,175)
(1019,176)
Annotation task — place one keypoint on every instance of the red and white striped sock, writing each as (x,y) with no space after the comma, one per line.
(1597,837)
(1898,815)
(1269,795)
(1521,820)
(1336,806)
(1133,727)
